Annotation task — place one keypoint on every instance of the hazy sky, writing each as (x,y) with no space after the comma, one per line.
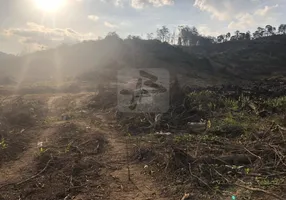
(27,24)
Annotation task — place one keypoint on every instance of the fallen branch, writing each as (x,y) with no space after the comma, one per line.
(260,190)
(32,177)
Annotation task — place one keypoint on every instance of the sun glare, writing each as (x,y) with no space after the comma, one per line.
(50,5)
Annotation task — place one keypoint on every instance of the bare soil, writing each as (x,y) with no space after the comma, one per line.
(74,159)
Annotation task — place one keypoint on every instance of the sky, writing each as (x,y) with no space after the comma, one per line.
(32,24)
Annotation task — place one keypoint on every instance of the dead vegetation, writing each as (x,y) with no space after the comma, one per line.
(238,150)
(17,115)
(64,167)
(213,143)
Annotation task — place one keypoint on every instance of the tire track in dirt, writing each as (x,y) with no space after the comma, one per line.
(12,171)
(140,186)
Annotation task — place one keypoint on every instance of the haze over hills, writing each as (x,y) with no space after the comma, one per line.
(4,55)
(198,65)
(104,55)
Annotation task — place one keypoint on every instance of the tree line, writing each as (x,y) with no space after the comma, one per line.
(190,36)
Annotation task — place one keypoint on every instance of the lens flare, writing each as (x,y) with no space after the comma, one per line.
(50,5)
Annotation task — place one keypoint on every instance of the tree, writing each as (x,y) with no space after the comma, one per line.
(233,38)
(163,34)
(150,36)
(241,36)
(112,35)
(282,29)
(220,38)
(227,36)
(184,35)
(173,37)
(194,31)
(270,30)
(133,37)
(180,41)
(203,41)
(247,35)
(194,36)
(261,31)
(274,30)
(237,34)
(189,35)
(256,34)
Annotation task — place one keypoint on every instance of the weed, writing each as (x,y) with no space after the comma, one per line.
(228,126)
(50,120)
(278,103)
(264,181)
(3,144)
(67,149)
(190,138)
(231,104)
(183,138)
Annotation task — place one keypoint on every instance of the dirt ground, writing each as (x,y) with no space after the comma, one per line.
(77,146)
(68,157)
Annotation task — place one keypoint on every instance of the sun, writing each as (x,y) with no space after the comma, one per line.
(50,5)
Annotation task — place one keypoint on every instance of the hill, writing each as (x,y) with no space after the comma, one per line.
(215,142)
(104,56)
(247,59)
(212,64)
(4,55)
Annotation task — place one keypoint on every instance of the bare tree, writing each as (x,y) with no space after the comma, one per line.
(180,41)
(237,34)
(227,36)
(173,37)
(150,36)
(163,34)
(189,35)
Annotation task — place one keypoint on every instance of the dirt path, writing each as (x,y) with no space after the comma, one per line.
(13,170)
(119,187)
(140,186)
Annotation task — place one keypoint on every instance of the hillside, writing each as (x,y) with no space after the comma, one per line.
(212,142)
(199,65)
(102,57)
(4,55)
(247,60)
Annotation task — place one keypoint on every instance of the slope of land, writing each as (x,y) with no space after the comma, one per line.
(247,60)
(206,65)
(62,137)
